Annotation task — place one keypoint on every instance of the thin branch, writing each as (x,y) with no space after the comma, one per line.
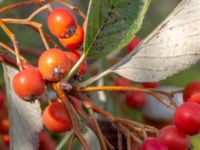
(76,129)
(21,4)
(99,133)
(9,60)
(10,50)
(119,141)
(37,2)
(71,7)
(124,88)
(39,10)
(33,24)
(63,141)
(14,41)
(70,142)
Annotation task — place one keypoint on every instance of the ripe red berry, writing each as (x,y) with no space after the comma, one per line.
(120,81)
(46,142)
(150,84)
(191,89)
(73,58)
(61,23)
(174,138)
(56,118)
(194,98)
(53,64)
(28,84)
(153,144)
(4,122)
(1,99)
(186,118)
(136,99)
(75,41)
(131,46)
(6,139)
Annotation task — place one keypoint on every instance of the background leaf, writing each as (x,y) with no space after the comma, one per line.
(171,48)
(112,24)
(25,118)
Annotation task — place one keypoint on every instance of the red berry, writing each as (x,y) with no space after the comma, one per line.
(175,139)
(131,46)
(53,64)
(120,81)
(75,41)
(153,144)
(150,84)
(28,84)
(83,68)
(194,98)
(6,139)
(191,89)
(61,23)
(136,99)
(4,122)
(186,118)
(1,99)
(73,58)
(46,142)
(56,118)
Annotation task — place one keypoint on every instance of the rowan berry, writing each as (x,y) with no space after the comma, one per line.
(62,23)
(53,64)
(75,41)
(28,84)
(56,118)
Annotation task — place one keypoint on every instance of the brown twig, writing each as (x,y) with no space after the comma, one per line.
(37,2)
(21,4)
(14,42)
(76,129)
(33,24)
(124,88)
(119,141)
(7,59)
(71,7)
(99,133)
(70,142)
(10,50)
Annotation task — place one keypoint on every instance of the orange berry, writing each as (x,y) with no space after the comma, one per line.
(28,84)
(56,118)
(53,64)
(61,23)
(75,41)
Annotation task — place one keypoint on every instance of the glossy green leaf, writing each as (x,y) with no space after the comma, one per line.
(112,24)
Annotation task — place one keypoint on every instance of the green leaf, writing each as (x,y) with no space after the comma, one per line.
(112,24)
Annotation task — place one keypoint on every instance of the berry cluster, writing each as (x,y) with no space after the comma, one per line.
(53,65)
(4,121)
(186,123)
